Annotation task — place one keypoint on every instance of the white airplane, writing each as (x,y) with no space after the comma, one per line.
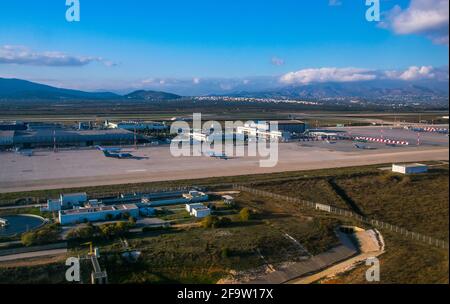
(363,147)
(112,149)
(118,155)
(217,155)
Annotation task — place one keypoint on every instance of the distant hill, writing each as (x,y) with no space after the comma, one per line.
(22,89)
(151,95)
(18,89)
(364,89)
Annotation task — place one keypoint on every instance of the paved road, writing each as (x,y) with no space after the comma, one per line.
(35,254)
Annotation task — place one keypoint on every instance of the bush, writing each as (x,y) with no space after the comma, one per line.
(47,234)
(84,233)
(225,253)
(245,214)
(213,221)
(114,230)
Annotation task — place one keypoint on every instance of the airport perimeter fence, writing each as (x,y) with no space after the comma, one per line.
(349,214)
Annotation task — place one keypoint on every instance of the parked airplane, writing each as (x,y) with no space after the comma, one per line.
(363,147)
(112,149)
(118,155)
(218,155)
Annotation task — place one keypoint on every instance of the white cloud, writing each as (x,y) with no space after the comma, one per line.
(277,61)
(196,80)
(413,73)
(320,75)
(13,54)
(307,76)
(424,17)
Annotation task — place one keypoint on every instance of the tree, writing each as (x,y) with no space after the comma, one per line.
(245,214)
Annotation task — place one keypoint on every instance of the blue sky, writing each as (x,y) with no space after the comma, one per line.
(125,44)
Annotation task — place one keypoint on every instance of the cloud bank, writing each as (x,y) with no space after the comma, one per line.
(332,74)
(307,76)
(13,54)
(424,17)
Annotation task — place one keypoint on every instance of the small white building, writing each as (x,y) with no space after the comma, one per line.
(409,168)
(190,207)
(198,210)
(228,199)
(201,212)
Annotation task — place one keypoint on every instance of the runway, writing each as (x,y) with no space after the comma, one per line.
(80,168)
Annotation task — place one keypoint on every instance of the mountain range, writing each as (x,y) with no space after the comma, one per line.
(376,89)
(17,89)
(24,90)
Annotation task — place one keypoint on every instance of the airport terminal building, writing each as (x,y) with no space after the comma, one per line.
(63,137)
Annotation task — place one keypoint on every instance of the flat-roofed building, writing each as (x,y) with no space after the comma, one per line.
(96,214)
(63,137)
(198,210)
(73,199)
(409,168)
(201,212)
(65,201)
(292,126)
(190,207)
(136,125)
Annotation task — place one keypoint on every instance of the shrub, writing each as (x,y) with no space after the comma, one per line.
(245,214)
(225,253)
(47,234)
(83,233)
(114,230)
(213,221)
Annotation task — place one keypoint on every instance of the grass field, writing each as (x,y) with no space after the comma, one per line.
(418,202)
(194,254)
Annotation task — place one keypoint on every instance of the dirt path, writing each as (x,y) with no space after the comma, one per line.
(371,245)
